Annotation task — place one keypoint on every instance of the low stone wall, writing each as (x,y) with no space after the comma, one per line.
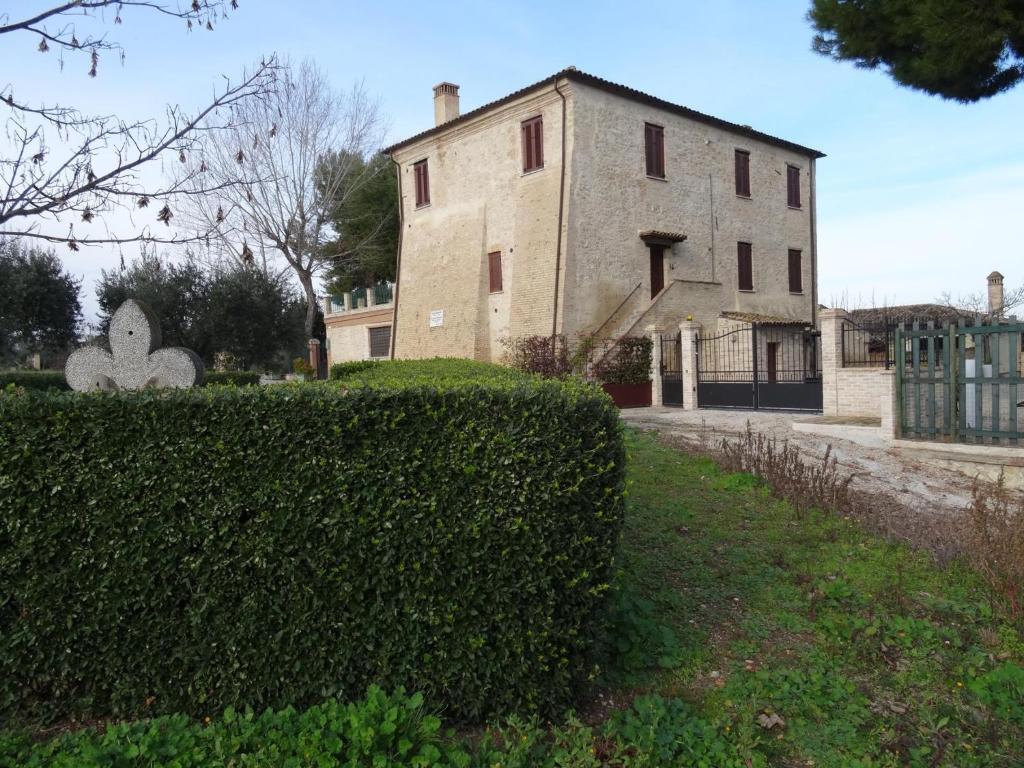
(853,392)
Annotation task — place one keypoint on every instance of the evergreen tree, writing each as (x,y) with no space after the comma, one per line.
(40,308)
(364,217)
(958,49)
(178,294)
(238,310)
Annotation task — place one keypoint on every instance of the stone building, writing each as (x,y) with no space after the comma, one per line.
(358,324)
(579,206)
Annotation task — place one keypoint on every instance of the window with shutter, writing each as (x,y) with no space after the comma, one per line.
(494,270)
(422,183)
(742,173)
(796,280)
(745,266)
(654,150)
(533,144)
(793,186)
(380,341)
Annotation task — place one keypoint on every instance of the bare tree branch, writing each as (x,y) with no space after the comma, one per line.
(275,194)
(977,303)
(94,163)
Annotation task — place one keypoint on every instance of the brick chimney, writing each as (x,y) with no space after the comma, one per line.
(995,294)
(446,102)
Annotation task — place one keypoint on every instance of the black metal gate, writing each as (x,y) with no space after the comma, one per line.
(760,366)
(672,370)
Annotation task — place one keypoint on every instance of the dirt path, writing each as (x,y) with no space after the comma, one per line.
(915,484)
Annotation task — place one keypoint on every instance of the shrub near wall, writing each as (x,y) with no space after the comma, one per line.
(184,551)
(55,379)
(32,379)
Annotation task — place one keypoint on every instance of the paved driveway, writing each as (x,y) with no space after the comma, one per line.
(877,469)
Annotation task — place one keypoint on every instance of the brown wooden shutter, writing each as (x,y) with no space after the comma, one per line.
(533,144)
(538,142)
(793,186)
(745,266)
(654,150)
(657,269)
(796,281)
(742,173)
(422,183)
(527,143)
(649,148)
(494,271)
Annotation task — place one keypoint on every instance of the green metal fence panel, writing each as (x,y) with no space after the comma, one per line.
(961,384)
(1015,375)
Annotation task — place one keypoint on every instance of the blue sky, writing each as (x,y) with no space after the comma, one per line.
(917,195)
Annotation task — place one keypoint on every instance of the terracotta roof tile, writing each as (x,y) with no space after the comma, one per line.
(754,317)
(657,234)
(907,313)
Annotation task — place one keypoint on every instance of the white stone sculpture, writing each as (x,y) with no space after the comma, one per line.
(135,360)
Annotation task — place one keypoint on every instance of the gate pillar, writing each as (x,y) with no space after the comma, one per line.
(688,330)
(657,395)
(889,406)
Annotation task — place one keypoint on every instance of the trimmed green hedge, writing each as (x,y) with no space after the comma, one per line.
(235,378)
(30,379)
(55,379)
(437,371)
(196,549)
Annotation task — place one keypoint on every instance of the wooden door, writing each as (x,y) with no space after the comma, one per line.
(657,269)
(772,361)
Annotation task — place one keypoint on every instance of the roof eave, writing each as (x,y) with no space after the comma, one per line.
(615,88)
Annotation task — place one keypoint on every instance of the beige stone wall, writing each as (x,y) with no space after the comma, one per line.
(854,392)
(612,200)
(858,391)
(480,202)
(348,335)
(680,300)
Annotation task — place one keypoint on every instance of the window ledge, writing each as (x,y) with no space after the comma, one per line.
(746,290)
(421,207)
(656,178)
(795,207)
(495,293)
(796,293)
(532,171)
(744,197)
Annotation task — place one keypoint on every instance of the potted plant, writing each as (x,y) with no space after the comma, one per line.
(303,370)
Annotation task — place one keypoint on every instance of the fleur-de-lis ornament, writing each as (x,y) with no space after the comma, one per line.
(135,359)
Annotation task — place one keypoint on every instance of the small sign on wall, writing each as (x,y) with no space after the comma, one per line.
(436,318)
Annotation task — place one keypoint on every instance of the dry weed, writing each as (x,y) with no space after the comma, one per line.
(989,532)
(996,541)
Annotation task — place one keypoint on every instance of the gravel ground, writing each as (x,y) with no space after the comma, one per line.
(915,484)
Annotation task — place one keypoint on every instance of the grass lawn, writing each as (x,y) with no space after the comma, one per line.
(803,640)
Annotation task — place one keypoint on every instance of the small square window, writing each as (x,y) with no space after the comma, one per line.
(380,341)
